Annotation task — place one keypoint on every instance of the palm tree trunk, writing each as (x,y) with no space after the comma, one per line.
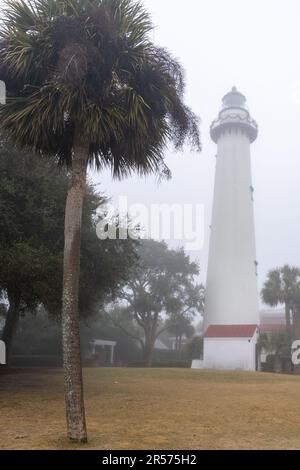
(11,324)
(70,315)
(288,318)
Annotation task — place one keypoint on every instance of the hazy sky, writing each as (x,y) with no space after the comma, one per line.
(255,46)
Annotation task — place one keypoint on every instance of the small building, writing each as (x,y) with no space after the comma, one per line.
(230,347)
(103,351)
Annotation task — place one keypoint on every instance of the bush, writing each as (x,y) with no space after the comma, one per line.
(194,349)
(281,364)
(36,361)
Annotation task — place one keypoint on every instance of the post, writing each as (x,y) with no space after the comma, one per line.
(112,354)
(2,353)
(2,92)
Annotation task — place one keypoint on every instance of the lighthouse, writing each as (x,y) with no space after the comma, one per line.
(231,315)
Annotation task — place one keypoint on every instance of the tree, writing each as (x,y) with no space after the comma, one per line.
(32,195)
(180,326)
(194,349)
(160,294)
(32,198)
(276,343)
(283,287)
(100,327)
(86,84)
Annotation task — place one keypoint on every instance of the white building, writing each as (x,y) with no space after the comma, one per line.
(103,350)
(232,347)
(231,287)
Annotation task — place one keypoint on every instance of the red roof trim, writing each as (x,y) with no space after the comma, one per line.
(230,331)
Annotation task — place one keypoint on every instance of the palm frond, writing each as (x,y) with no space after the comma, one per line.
(90,65)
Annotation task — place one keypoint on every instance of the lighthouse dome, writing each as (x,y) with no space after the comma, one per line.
(234,99)
(234,116)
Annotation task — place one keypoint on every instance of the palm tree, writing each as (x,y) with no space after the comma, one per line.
(86,85)
(283,287)
(278,344)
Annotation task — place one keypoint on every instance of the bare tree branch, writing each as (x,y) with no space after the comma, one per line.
(118,325)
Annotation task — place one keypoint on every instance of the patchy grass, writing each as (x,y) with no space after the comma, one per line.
(154,409)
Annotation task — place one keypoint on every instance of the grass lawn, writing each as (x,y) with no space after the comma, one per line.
(154,409)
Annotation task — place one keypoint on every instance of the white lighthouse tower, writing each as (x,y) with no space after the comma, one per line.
(231,313)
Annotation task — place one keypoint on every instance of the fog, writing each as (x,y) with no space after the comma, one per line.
(253,45)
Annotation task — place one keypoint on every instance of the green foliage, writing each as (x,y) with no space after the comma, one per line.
(194,349)
(161,294)
(282,286)
(86,85)
(32,204)
(2,309)
(39,340)
(276,342)
(163,281)
(38,335)
(98,327)
(89,67)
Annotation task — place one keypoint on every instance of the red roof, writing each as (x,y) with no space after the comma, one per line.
(230,331)
(270,328)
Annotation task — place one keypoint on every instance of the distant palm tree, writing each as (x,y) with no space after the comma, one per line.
(283,287)
(277,343)
(86,85)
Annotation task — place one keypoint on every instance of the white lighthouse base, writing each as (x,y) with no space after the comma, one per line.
(229,347)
